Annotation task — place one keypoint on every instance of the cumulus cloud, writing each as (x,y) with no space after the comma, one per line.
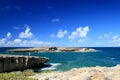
(55,20)
(20,42)
(17,41)
(79,33)
(60,34)
(27,33)
(52,35)
(9,35)
(3,41)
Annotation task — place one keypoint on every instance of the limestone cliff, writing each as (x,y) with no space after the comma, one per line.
(11,63)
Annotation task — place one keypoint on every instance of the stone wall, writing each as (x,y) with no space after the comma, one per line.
(12,63)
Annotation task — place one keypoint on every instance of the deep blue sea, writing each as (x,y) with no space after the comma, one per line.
(62,61)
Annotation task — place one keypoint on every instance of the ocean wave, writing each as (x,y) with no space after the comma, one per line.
(51,66)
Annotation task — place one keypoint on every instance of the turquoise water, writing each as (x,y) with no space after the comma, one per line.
(67,60)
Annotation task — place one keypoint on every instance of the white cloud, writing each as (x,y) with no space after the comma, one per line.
(9,35)
(109,40)
(115,37)
(36,42)
(3,41)
(24,43)
(55,20)
(115,40)
(26,34)
(17,41)
(80,40)
(61,33)
(79,33)
(20,42)
(52,35)
(100,37)
(105,35)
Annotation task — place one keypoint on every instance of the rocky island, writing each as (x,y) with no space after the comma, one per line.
(53,49)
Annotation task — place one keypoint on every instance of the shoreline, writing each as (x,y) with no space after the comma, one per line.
(85,73)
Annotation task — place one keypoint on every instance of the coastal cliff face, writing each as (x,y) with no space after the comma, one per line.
(12,63)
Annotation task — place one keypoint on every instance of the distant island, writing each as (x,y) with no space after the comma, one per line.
(53,49)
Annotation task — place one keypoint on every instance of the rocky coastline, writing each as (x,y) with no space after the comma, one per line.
(86,73)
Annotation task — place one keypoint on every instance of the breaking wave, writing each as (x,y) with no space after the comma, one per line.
(51,66)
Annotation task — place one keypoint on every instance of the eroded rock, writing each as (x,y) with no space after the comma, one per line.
(11,63)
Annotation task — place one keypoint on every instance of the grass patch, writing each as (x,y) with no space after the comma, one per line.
(45,71)
(17,75)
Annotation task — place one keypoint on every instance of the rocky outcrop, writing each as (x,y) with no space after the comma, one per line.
(11,63)
(72,49)
(86,73)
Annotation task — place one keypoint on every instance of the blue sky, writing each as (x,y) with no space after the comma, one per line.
(76,23)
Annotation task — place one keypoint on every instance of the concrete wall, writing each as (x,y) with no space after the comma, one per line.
(11,63)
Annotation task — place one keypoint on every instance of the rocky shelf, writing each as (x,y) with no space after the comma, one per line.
(86,73)
(12,62)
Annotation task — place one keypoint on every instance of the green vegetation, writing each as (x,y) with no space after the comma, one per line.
(45,71)
(17,75)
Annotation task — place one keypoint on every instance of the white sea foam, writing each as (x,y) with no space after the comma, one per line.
(52,66)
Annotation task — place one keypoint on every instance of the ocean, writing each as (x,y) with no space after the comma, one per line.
(63,61)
